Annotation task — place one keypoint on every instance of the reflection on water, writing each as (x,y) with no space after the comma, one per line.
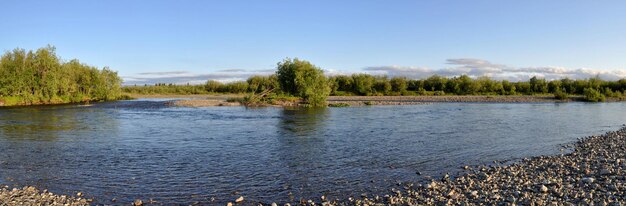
(145,149)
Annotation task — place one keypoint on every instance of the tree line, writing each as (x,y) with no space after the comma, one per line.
(301,78)
(42,77)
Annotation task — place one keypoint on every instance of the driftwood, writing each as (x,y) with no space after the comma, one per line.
(259,96)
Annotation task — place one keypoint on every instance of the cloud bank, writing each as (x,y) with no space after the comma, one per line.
(457,67)
(479,67)
(184,77)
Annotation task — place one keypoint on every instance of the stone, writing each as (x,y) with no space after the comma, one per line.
(240,199)
(138,202)
(605,172)
(588,180)
(432,185)
(474,194)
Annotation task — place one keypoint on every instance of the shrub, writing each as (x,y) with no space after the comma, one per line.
(338,105)
(592,95)
(303,79)
(237,99)
(560,95)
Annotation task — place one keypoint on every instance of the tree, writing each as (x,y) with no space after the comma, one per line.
(398,84)
(538,85)
(42,77)
(212,86)
(259,84)
(303,79)
(382,85)
(592,95)
(363,83)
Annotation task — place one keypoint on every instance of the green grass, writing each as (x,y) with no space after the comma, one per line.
(338,105)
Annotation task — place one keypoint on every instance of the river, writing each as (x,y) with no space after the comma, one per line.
(144,149)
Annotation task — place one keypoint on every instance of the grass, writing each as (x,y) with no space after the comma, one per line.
(338,105)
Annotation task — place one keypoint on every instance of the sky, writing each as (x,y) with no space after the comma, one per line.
(150,41)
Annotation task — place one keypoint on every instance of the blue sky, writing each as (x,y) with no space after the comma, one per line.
(190,41)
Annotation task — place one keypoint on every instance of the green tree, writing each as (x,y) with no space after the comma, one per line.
(363,84)
(303,79)
(41,77)
(592,95)
(398,84)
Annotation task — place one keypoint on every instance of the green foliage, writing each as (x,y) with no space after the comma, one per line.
(560,95)
(258,84)
(41,77)
(363,84)
(303,79)
(338,105)
(237,99)
(209,87)
(161,88)
(368,103)
(538,85)
(592,95)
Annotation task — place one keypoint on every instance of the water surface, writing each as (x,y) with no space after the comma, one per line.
(144,149)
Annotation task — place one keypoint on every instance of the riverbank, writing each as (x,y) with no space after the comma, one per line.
(221,100)
(18,101)
(594,173)
(487,99)
(32,196)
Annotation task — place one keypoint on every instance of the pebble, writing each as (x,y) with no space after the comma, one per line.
(568,179)
(588,180)
(32,196)
(240,199)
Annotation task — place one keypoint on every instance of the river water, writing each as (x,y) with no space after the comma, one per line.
(144,149)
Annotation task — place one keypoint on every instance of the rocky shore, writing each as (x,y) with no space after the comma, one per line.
(203,103)
(594,173)
(32,196)
(410,99)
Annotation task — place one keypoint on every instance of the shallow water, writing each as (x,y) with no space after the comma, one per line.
(144,149)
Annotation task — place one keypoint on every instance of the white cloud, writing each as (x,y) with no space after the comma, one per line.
(184,77)
(478,68)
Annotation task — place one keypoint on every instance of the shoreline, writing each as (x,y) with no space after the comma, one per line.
(594,172)
(209,100)
(221,100)
(32,196)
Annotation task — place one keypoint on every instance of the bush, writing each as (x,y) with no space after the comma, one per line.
(338,105)
(303,79)
(237,99)
(560,95)
(592,95)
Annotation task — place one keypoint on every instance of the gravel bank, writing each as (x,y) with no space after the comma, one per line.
(383,102)
(408,99)
(593,174)
(32,196)
(203,103)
